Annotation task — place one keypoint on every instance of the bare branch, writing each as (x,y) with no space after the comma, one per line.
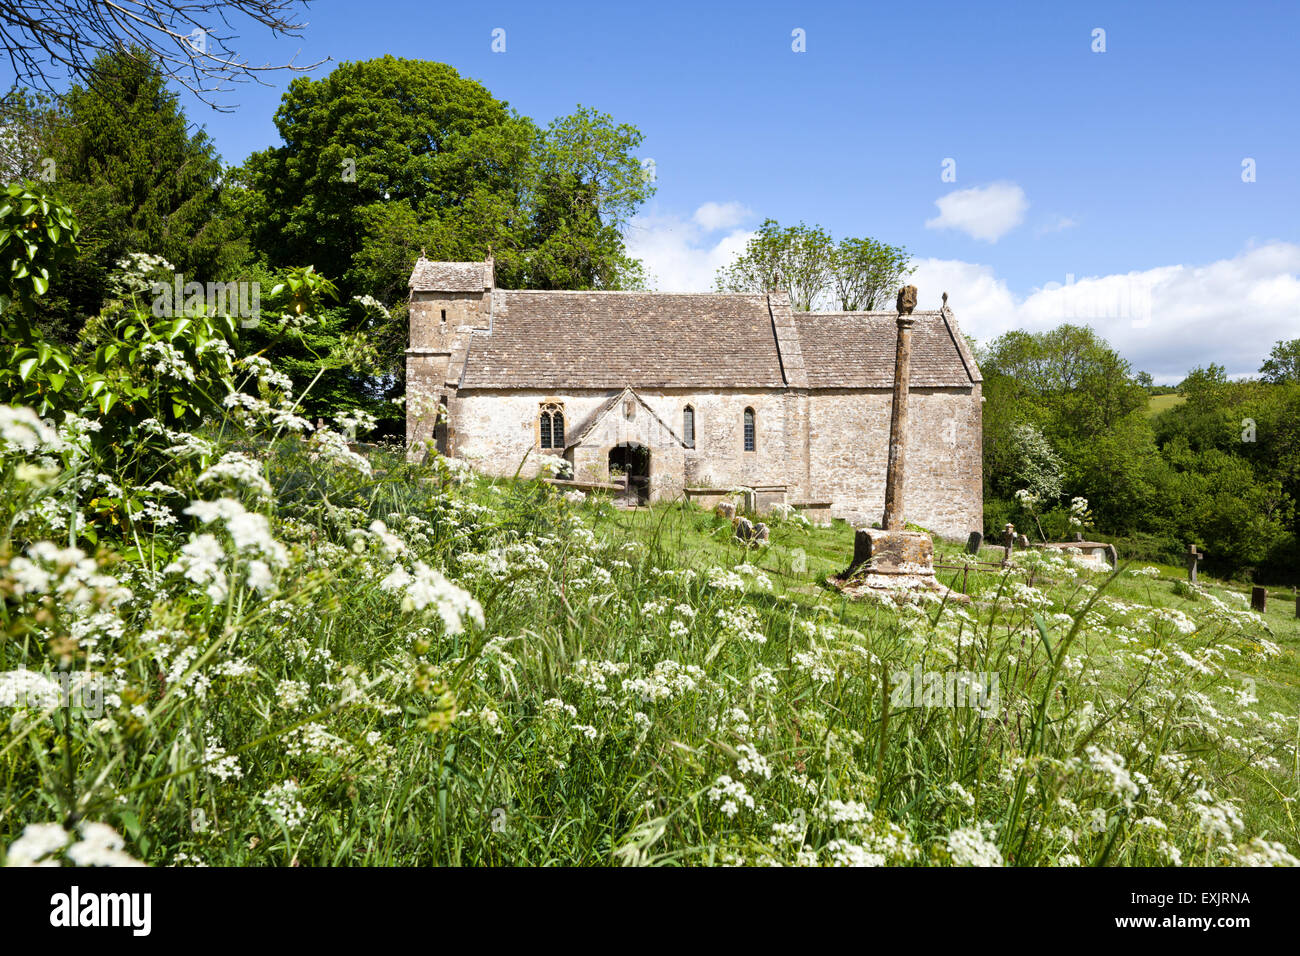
(57,41)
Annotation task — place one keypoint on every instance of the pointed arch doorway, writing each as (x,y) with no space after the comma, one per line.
(633,460)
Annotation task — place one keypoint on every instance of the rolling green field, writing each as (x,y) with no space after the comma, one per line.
(1162,403)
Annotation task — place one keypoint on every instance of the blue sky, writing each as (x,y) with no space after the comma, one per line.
(1120,168)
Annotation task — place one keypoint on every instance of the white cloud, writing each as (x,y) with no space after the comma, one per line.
(1165,321)
(721,215)
(982,212)
(680,254)
(1058,224)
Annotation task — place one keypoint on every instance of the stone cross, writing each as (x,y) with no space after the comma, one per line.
(1192,557)
(1258,599)
(894,477)
(1008,542)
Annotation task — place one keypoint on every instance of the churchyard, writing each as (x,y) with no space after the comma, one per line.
(592,685)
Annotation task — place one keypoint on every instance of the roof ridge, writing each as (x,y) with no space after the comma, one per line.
(714,295)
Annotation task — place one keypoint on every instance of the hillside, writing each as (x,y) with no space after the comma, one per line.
(446,669)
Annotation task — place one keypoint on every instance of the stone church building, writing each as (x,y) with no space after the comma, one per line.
(691,393)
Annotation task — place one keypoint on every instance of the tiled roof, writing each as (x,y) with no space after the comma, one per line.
(616,339)
(556,340)
(450,276)
(856,350)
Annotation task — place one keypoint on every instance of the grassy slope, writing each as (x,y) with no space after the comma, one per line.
(701,541)
(1162,403)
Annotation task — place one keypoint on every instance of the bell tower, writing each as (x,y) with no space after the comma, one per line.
(448,302)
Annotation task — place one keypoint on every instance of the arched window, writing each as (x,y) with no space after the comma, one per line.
(688,426)
(749,429)
(551,426)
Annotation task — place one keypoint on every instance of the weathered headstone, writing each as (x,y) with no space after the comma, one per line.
(1008,542)
(1022,541)
(1192,557)
(725,509)
(1112,556)
(1258,599)
(744,528)
(973,542)
(761,533)
(1078,536)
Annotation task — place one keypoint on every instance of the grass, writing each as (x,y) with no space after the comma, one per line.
(593,686)
(1162,403)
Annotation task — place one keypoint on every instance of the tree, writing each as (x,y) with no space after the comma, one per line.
(866,273)
(387,131)
(27,124)
(138,180)
(52,41)
(1283,363)
(38,234)
(796,259)
(1083,397)
(585,185)
(385,157)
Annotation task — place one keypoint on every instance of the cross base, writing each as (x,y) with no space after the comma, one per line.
(894,563)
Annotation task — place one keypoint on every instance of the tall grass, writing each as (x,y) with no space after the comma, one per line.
(546,682)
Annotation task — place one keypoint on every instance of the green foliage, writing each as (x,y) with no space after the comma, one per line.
(385,157)
(794,259)
(37,234)
(857,274)
(1283,364)
(139,180)
(1217,463)
(866,273)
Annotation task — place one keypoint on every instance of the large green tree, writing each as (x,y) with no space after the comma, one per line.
(1087,403)
(1283,363)
(853,274)
(385,157)
(123,154)
(412,134)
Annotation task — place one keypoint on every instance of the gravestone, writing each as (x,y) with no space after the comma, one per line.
(1022,541)
(726,509)
(1008,542)
(761,533)
(1192,557)
(973,542)
(1078,536)
(744,528)
(1258,599)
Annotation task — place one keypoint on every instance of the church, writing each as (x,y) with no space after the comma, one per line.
(692,395)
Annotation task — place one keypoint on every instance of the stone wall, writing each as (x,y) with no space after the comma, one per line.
(440,324)
(495,428)
(944,488)
(823,445)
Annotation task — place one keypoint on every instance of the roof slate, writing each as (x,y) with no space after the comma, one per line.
(856,350)
(430,276)
(616,339)
(599,340)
